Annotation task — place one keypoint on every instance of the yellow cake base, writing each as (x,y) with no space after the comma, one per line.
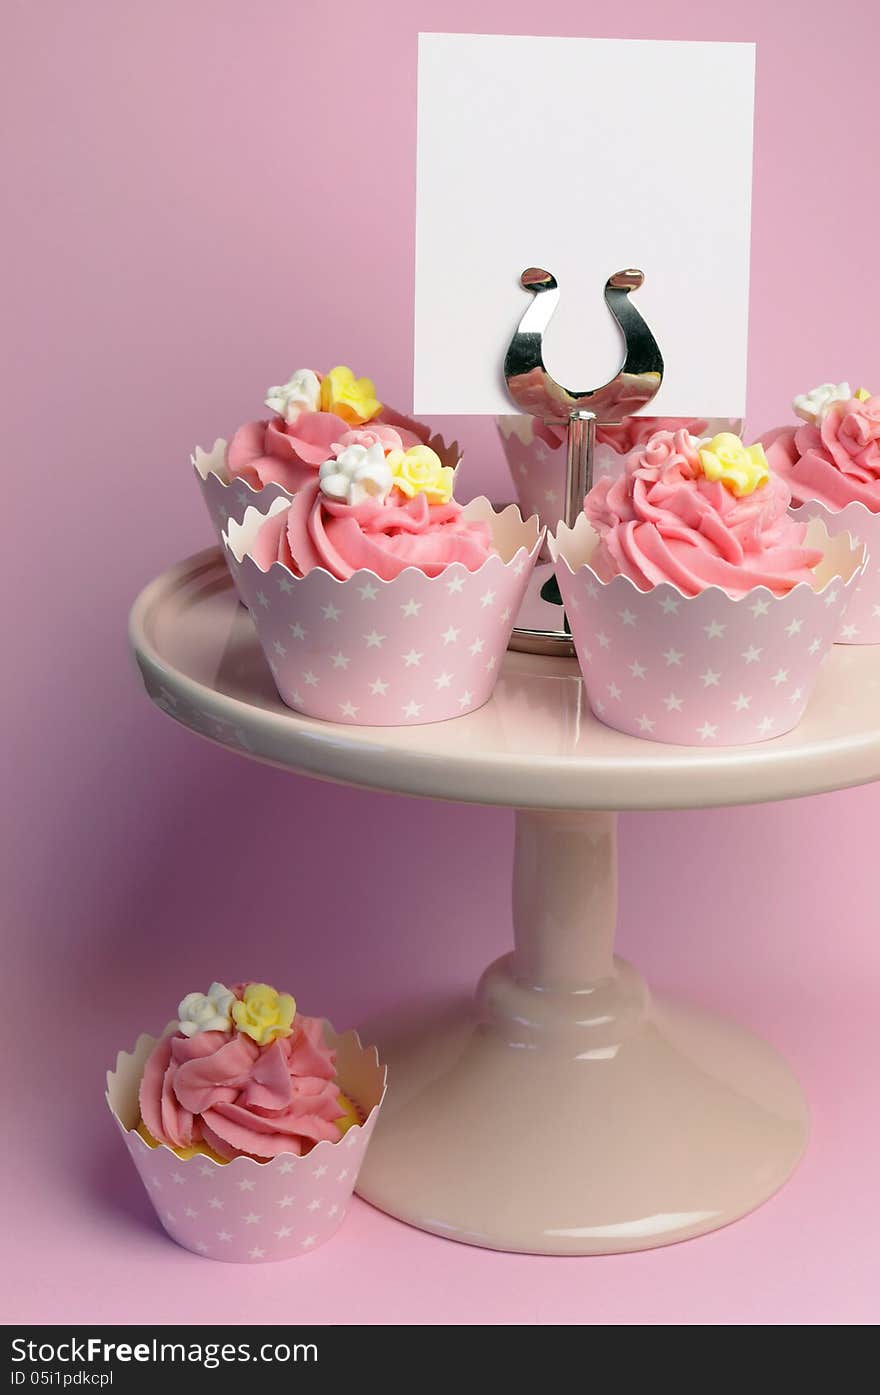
(197,1149)
(350,1115)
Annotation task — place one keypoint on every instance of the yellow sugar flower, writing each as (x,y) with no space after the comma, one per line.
(263,1014)
(353,399)
(863,395)
(741,469)
(420,470)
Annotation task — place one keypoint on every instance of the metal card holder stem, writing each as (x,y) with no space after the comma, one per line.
(536,393)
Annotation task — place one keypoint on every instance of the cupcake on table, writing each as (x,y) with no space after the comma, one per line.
(273,457)
(241,1103)
(831,463)
(378,599)
(700,607)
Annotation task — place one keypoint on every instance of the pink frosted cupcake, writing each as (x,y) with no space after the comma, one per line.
(699,514)
(700,608)
(375,508)
(535,454)
(241,1110)
(377,598)
(276,456)
(244,1074)
(831,463)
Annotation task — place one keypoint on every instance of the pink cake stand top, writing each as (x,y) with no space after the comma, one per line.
(534,745)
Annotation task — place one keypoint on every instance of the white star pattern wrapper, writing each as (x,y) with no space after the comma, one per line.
(225,498)
(702,670)
(861,622)
(538,470)
(245,1211)
(370,652)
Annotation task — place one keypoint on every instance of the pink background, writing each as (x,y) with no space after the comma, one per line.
(203,196)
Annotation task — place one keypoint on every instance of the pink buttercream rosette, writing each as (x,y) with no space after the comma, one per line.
(535,455)
(266,461)
(244,1210)
(399,652)
(700,615)
(833,471)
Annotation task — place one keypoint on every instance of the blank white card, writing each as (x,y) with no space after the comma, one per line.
(582,156)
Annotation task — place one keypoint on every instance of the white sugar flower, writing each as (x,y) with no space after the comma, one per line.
(301,393)
(206,1012)
(357,473)
(813,406)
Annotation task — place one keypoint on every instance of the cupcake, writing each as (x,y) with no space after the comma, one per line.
(536,454)
(245,1109)
(276,456)
(700,608)
(831,463)
(377,598)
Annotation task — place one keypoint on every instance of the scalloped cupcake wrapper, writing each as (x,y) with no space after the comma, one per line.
(405,652)
(861,622)
(227,499)
(702,670)
(245,1211)
(538,470)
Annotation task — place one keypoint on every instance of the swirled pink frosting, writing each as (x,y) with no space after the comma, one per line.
(289,454)
(222,1089)
(662,520)
(835,463)
(384,537)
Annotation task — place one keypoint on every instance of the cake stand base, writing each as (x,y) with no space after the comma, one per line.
(494,1136)
(565,1111)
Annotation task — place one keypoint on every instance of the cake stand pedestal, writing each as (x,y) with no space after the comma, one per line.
(563,1110)
(567,1111)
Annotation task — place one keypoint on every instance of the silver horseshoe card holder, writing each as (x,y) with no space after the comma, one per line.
(537,394)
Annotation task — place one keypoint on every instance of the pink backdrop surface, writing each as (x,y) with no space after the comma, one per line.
(201,197)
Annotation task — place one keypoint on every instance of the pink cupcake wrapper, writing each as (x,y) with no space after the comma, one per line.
(245,1211)
(702,670)
(538,470)
(225,498)
(861,622)
(388,653)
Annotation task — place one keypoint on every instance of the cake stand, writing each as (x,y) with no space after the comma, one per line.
(564,1109)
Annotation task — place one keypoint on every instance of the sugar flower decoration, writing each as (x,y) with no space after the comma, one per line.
(355,474)
(419,470)
(301,393)
(353,399)
(741,469)
(263,1014)
(812,406)
(206,1012)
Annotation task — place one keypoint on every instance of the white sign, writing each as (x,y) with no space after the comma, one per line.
(584,157)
